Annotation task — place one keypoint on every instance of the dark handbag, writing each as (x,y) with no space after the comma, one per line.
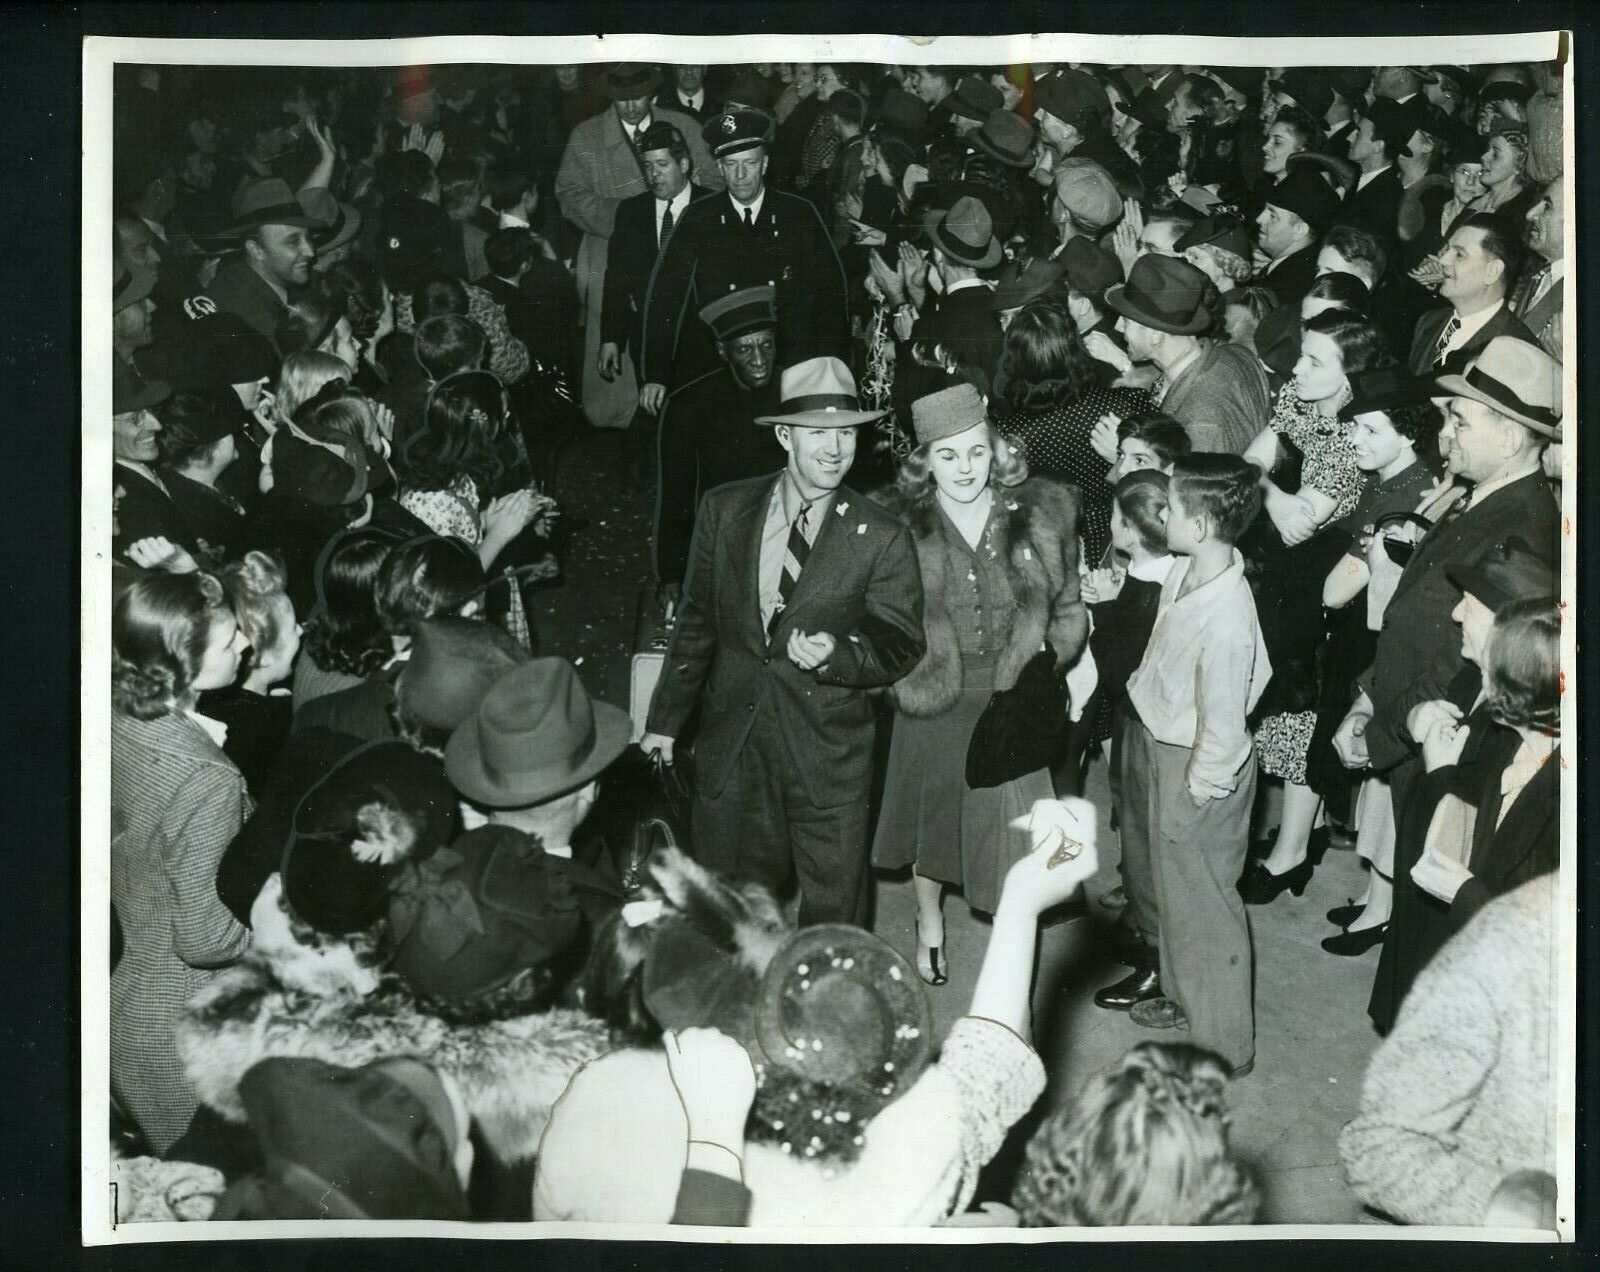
(1021,729)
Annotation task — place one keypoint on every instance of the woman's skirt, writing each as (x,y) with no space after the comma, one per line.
(932,819)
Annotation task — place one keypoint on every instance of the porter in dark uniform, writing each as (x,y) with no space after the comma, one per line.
(749,236)
(709,436)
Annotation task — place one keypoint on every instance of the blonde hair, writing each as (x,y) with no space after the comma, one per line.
(301,378)
(1009,467)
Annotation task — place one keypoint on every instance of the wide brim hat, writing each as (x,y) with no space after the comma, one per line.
(214,351)
(1519,380)
(132,392)
(1392,123)
(1244,80)
(1311,89)
(742,128)
(1277,339)
(1090,268)
(1464,78)
(629,81)
(1504,91)
(819,393)
(903,111)
(371,1142)
(1073,97)
(1383,389)
(1509,571)
(338,222)
(965,233)
(130,287)
(1007,138)
(1147,108)
(383,804)
(841,1006)
(1165,294)
(483,911)
(1304,192)
(974,98)
(1028,280)
(207,415)
(741,312)
(269,201)
(1228,233)
(536,735)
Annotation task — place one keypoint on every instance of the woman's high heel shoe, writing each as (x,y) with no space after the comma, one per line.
(1259,886)
(930,960)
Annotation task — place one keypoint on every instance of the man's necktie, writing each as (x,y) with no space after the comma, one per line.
(1445,337)
(666,229)
(794,560)
(749,219)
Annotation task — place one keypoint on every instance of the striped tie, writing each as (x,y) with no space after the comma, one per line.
(794,560)
(1445,337)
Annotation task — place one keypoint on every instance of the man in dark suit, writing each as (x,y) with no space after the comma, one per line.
(749,237)
(962,317)
(1504,411)
(709,436)
(643,225)
(538,294)
(274,259)
(1372,201)
(688,93)
(1480,263)
(1297,212)
(801,595)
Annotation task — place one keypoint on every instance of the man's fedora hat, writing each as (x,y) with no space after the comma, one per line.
(1074,98)
(1244,80)
(1006,136)
(339,222)
(1091,269)
(736,130)
(966,234)
(1226,233)
(903,111)
(819,393)
(1304,192)
(629,81)
(1309,87)
(1147,108)
(269,202)
(536,735)
(132,392)
(1165,294)
(1508,571)
(1030,279)
(974,98)
(130,287)
(1519,380)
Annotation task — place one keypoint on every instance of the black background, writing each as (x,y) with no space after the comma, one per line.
(39,616)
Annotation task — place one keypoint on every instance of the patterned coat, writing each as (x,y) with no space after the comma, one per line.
(598,171)
(176,803)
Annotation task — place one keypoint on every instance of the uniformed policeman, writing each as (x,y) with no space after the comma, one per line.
(708,435)
(749,236)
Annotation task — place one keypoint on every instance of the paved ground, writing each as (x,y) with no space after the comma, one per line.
(1313,1036)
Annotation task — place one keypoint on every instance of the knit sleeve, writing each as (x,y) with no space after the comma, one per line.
(1404,1153)
(999,1077)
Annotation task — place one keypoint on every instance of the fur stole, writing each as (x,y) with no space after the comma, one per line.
(1036,535)
(510,1071)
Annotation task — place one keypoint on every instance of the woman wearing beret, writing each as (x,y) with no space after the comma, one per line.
(176,802)
(999,560)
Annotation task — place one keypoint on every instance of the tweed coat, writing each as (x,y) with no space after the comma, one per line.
(176,803)
(1036,534)
(598,171)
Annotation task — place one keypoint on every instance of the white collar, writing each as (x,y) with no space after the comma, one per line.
(215,729)
(510,221)
(1484,489)
(1367,178)
(1472,324)
(633,132)
(968,282)
(1154,570)
(678,202)
(692,100)
(755,208)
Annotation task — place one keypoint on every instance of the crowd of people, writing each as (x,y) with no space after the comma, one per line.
(1204,419)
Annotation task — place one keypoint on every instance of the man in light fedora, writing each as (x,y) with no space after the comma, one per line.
(801,595)
(1216,390)
(274,258)
(530,757)
(1500,415)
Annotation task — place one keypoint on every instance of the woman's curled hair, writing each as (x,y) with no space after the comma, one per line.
(465,433)
(344,632)
(429,577)
(160,627)
(1522,666)
(1147,1143)
(1009,467)
(1043,362)
(256,586)
(301,377)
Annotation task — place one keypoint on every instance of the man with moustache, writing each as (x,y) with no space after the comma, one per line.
(751,236)
(708,432)
(801,596)
(1537,300)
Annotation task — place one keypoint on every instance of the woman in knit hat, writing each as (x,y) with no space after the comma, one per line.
(998,555)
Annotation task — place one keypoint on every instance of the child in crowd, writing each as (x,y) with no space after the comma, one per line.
(1189,767)
(1123,599)
(1150,439)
